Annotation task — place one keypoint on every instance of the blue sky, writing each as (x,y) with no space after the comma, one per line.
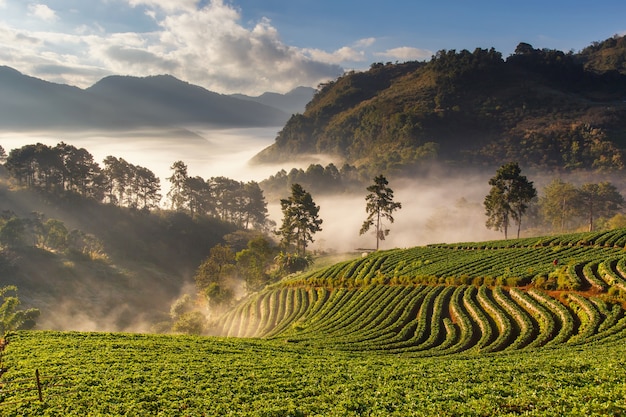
(252,46)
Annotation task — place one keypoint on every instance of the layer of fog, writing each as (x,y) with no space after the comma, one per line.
(206,152)
(435,209)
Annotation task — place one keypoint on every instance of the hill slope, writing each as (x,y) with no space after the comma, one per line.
(540,107)
(443,299)
(133,265)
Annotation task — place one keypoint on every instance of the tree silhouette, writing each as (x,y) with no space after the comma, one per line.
(508,198)
(380,205)
(300,219)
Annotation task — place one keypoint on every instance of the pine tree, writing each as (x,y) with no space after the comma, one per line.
(380,205)
(300,219)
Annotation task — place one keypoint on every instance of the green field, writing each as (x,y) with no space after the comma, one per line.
(147,375)
(468,329)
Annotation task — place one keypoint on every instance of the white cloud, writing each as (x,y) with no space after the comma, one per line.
(364,43)
(167,5)
(343,54)
(207,46)
(405,53)
(3,4)
(43,12)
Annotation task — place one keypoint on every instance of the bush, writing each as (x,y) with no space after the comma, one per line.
(192,322)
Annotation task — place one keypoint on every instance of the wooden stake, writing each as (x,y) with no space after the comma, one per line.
(38,385)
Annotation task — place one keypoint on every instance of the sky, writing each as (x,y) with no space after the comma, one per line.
(254,46)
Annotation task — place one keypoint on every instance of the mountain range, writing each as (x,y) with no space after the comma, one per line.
(124,102)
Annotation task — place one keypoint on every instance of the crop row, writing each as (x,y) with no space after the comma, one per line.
(573,267)
(606,238)
(425,319)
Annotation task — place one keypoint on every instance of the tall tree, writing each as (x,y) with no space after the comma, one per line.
(254,206)
(508,199)
(559,204)
(178,185)
(147,187)
(198,196)
(117,172)
(300,219)
(380,206)
(599,200)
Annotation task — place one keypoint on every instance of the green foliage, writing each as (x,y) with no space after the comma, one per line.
(13,232)
(380,206)
(600,199)
(219,295)
(217,269)
(300,220)
(255,263)
(193,322)
(11,318)
(288,263)
(508,198)
(185,317)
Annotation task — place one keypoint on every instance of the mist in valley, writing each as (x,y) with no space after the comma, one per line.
(435,208)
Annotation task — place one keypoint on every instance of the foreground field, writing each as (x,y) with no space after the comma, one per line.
(145,375)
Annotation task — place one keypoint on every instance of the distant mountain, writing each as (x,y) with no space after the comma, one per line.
(294,101)
(542,108)
(124,102)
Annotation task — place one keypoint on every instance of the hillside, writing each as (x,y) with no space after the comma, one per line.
(444,299)
(543,108)
(118,102)
(129,267)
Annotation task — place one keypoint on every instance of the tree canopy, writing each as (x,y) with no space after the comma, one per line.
(508,199)
(300,220)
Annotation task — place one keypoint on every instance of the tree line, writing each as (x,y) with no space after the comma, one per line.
(67,169)
(237,202)
(562,207)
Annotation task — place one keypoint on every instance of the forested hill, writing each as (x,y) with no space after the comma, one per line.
(543,108)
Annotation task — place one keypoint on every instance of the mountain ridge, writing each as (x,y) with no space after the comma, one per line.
(125,102)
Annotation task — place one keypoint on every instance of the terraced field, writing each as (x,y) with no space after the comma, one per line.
(443,299)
